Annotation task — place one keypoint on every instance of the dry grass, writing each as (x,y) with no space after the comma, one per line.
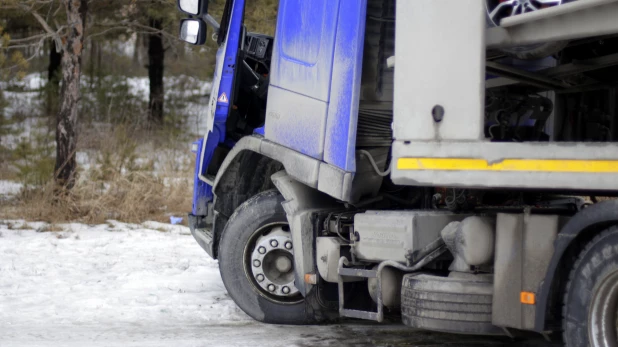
(122,184)
(53,228)
(134,197)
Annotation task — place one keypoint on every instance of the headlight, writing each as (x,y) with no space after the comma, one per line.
(193,31)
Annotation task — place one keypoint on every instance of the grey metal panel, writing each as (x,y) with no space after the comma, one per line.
(301,202)
(497,151)
(539,236)
(427,75)
(395,235)
(328,253)
(524,248)
(506,308)
(302,167)
(331,180)
(567,22)
(494,152)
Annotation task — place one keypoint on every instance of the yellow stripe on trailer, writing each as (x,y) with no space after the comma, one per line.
(509,165)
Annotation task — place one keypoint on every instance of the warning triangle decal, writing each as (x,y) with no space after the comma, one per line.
(223,98)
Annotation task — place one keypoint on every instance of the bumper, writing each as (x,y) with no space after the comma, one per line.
(202,233)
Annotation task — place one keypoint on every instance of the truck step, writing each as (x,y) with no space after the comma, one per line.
(346,273)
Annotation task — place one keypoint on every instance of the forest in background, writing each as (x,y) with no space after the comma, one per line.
(136,105)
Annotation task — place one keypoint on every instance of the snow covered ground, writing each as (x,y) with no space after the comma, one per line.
(121,284)
(9,188)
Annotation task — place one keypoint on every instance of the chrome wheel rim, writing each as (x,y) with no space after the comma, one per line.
(269,263)
(603,315)
(499,9)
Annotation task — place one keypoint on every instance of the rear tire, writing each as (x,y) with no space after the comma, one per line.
(590,312)
(259,213)
(448,304)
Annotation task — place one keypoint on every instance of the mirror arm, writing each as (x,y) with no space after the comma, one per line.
(211,21)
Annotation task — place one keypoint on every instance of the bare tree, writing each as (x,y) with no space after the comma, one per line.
(68,39)
(156,65)
(66,134)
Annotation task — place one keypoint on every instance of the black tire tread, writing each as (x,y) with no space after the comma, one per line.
(259,210)
(429,303)
(579,260)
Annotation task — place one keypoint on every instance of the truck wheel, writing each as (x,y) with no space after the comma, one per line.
(256,262)
(448,304)
(590,312)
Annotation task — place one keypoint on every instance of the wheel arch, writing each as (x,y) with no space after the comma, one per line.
(255,165)
(247,170)
(572,238)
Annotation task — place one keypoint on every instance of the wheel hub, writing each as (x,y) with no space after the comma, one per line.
(603,315)
(499,9)
(283,264)
(272,263)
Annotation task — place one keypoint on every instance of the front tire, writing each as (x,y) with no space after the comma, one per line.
(258,232)
(590,313)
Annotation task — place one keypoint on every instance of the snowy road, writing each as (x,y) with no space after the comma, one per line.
(148,285)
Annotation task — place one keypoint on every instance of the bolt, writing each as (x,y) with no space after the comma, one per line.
(257,263)
(274,243)
(288,245)
(262,250)
(285,290)
(271,287)
(283,264)
(437,113)
(260,278)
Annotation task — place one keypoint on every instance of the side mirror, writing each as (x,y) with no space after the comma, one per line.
(193,7)
(193,31)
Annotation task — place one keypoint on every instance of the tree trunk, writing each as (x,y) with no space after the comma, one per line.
(156,59)
(66,126)
(53,79)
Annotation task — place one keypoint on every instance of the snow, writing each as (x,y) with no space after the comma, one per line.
(88,273)
(149,284)
(32,81)
(8,188)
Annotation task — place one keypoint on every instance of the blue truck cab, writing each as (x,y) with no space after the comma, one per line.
(459,194)
(297,95)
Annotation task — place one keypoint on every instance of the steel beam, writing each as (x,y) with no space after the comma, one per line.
(516,76)
(571,21)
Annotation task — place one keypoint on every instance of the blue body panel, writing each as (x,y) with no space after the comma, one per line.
(340,139)
(315,78)
(202,193)
(302,60)
(314,84)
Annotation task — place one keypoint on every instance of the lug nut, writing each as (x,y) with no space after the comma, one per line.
(271,287)
(257,263)
(285,290)
(288,245)
(262,250)
(274,243)
(260,278)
